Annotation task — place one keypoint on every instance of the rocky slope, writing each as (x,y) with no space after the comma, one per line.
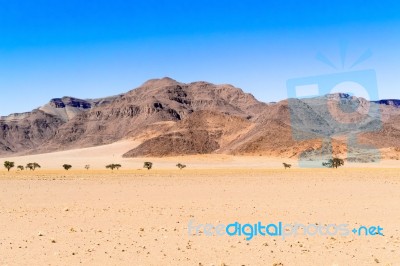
(173,118)
(27,132)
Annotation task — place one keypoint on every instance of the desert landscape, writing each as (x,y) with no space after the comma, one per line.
(137,216)
(233,149)
(199,133)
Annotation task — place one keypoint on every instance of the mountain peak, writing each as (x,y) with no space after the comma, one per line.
(162,82)
(69,101)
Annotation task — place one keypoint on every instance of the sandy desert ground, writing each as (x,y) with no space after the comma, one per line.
(100,156)
(138,217)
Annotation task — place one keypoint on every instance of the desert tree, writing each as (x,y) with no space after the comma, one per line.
(148,165)
(67,166)
(334,163)
(32,166)
(180,166)
(87,167)
(110,166)
(20,167)
(8,165)
(113,166)
(286,165)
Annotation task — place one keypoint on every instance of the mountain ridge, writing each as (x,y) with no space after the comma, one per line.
(174,118)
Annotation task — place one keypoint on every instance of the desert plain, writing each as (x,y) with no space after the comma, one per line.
(135,216)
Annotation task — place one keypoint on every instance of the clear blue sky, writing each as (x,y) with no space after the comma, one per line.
(99,48)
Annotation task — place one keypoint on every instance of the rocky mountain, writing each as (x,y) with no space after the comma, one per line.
(67,108)
(27,132)
(173,118)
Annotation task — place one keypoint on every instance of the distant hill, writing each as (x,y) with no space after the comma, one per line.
(173,118)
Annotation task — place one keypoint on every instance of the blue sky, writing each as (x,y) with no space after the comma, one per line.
(99,48)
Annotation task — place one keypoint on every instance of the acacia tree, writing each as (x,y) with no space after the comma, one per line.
(32,166)
(113,166)
(20,167)
(87,167)
(286,165)
(334,163)
(67,166)
(148,165)
(180,166)
(8,165)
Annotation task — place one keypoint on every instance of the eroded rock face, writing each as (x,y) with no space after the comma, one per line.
(71,102)
(173,118)
(70,122)
(174,144)
(27,133)
(157,101)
